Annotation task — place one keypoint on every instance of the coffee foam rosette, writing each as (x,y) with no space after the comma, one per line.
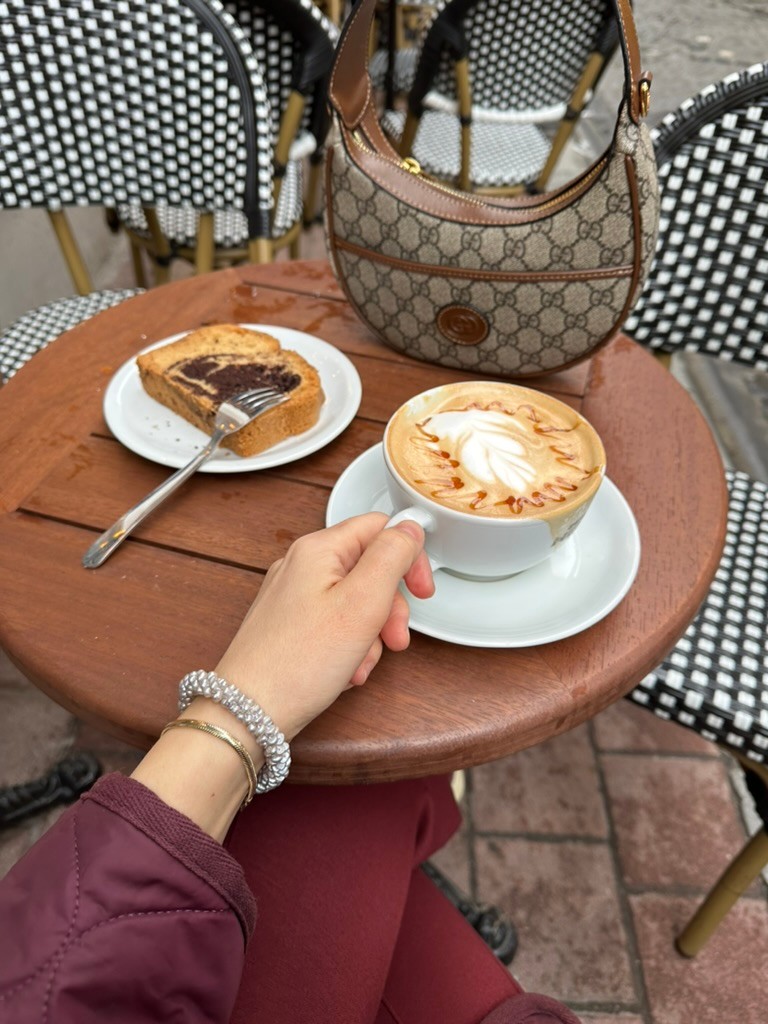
(496,450)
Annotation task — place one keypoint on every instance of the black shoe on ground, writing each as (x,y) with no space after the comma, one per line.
(494,928)
(64,783)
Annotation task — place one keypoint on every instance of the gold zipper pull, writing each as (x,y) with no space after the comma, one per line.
(411,165)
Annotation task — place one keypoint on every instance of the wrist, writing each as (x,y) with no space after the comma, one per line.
(199,774)
(275,700)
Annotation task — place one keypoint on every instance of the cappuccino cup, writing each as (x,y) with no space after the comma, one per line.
(497,475)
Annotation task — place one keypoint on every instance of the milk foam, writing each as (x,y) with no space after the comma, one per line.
(494,449)
(484,442)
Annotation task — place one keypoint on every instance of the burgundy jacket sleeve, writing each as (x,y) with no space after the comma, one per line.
(124,911)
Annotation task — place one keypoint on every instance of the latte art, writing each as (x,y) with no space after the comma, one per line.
(495,450)
(484,443)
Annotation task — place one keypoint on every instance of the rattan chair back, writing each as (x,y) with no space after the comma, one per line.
(706,292)
(707,289)
(294,44)
(525,58)
(113,101)
(490,75)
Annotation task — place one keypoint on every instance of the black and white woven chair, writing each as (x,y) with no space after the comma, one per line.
(107,102)
(34,330)
(399,31)
(293,43)
(708,292)
(492,76)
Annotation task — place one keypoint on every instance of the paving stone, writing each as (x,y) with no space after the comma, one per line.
(34,732)
(10,676)
(625,726)
(14,842)
(563,900)
(674,817)
(724,984)
(549,789)
(609,1018)
(113,755)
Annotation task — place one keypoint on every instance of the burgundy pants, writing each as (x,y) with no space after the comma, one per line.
(350,930)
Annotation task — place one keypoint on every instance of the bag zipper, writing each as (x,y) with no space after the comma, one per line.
(414,167)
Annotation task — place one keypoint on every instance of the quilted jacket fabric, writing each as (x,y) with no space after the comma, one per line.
(126,912)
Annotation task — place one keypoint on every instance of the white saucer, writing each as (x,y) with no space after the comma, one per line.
(579,585)
(149,429)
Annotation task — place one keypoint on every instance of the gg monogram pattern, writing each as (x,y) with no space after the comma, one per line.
(534,324)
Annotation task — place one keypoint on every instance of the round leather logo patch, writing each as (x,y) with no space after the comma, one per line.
(462,324)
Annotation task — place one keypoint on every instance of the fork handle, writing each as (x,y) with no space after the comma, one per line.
(112,538)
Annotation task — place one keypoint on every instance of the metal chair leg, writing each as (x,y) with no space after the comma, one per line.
(737,877)
(71,252)
(740,873)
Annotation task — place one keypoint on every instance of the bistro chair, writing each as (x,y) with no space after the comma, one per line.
(39,327)
(708,292)
(108,102)
(491,75)
(293,43)
(397,35)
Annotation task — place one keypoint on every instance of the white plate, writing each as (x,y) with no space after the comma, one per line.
(149,429)
(576,587)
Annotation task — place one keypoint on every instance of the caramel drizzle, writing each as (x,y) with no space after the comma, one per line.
(557,491)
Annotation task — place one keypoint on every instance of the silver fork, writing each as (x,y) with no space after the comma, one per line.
(232,415)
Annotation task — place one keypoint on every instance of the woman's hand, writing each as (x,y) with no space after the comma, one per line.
(323,616)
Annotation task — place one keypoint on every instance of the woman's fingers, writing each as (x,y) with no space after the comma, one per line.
(369,662)
(394,632)
(418,579)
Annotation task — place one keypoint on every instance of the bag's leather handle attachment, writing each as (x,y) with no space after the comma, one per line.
(637,83)
(350,91)
(350,87)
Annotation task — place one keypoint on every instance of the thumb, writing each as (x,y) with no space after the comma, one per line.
(385,561)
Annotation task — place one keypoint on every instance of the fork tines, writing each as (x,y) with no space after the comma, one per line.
(247,400)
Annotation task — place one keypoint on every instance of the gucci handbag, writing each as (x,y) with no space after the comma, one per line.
(505,287)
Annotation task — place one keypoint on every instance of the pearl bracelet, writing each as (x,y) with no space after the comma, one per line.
(277,753)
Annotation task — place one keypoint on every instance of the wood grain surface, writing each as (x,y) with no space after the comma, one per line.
(111,644)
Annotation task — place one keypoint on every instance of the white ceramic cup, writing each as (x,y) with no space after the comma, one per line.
(478,547)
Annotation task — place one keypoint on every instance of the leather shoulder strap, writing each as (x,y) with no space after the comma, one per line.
(350,87)
(637,83)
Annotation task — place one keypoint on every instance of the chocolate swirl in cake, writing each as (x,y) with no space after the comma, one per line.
(225,374)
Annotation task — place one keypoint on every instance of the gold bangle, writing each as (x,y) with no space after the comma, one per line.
(222,734)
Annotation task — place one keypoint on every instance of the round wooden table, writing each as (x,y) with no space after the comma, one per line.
(111,644)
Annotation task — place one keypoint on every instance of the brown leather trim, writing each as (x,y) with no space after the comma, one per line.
(416,190)
(370,129)
(350,87)
(482,275)
(637,227)
(631,51)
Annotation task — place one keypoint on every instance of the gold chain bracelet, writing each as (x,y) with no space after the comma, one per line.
(222,734)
